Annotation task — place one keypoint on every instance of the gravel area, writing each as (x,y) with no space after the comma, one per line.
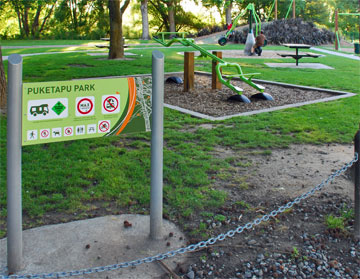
(297,243)
(214,103)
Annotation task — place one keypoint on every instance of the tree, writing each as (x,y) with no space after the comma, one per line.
(2,84)
(171,14)
(145,20)
(162,12)
(116,35)
(32,15)
(228,8)
(315,11)
(166,11)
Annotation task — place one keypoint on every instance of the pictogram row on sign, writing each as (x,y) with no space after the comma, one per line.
(46,109)
(102,127)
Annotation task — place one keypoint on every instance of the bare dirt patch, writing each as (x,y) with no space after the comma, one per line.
(295,244)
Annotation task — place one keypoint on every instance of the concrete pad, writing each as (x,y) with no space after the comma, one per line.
(316,66)
(97,242)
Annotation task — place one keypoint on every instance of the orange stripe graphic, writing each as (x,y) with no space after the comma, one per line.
(132,99)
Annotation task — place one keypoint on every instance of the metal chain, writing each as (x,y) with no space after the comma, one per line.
(192,247)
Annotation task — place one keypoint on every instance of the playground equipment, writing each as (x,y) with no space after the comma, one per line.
(292,4)
(250,40)
(337,36)
(275,5)
(224,79)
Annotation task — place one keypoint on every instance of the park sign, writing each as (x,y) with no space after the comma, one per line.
(80,109)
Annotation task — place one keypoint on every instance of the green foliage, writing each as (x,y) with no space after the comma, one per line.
(333,222)
(83,19)
(220,218)
(295,253)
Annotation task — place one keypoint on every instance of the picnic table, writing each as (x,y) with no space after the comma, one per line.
(298,56)
(107,46)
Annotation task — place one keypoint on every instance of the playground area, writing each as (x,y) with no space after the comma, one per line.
(256,157)
(204,100)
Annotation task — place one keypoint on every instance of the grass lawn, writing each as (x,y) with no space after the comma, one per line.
(73,180)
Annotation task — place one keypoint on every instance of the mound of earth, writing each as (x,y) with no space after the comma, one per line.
(294,31)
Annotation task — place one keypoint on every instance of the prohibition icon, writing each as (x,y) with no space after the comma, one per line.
(111,103)
(44,134)
(68,131)
(84,106)
(104,126)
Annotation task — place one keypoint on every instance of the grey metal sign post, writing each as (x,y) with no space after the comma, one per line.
(357,186)
(156,192)
(14,207)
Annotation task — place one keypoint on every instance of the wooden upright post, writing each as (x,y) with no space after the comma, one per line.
(188,71)
(276,10)
(294,5)
(215,82)
(336,30)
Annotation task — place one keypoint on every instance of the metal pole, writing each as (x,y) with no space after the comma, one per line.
(156,191)
(276,9)
(357,185)
(14,208)
(336,30)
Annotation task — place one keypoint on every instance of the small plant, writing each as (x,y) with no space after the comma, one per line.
(295,253)
(202,226)
(220,218)
(242,204)
(347,213)
(207,214)
(333,222)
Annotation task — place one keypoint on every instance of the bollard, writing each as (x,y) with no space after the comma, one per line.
(156,191)
(14,208)
(357,186)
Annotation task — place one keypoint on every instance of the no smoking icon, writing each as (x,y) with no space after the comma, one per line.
(110,104)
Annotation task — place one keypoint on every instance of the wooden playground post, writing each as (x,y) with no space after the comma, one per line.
(188,71)
(276,9)
(215,82)
(293,8)
(336,30)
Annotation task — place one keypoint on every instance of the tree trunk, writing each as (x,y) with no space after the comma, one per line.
(25,22)
(46,18)
(171,14)
(116,35)
(35,25)
(228,12)
(145,20)
(2,84)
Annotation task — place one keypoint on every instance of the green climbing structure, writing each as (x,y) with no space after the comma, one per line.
(224,79)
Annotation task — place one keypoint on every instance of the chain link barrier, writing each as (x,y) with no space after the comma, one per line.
(192,247)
